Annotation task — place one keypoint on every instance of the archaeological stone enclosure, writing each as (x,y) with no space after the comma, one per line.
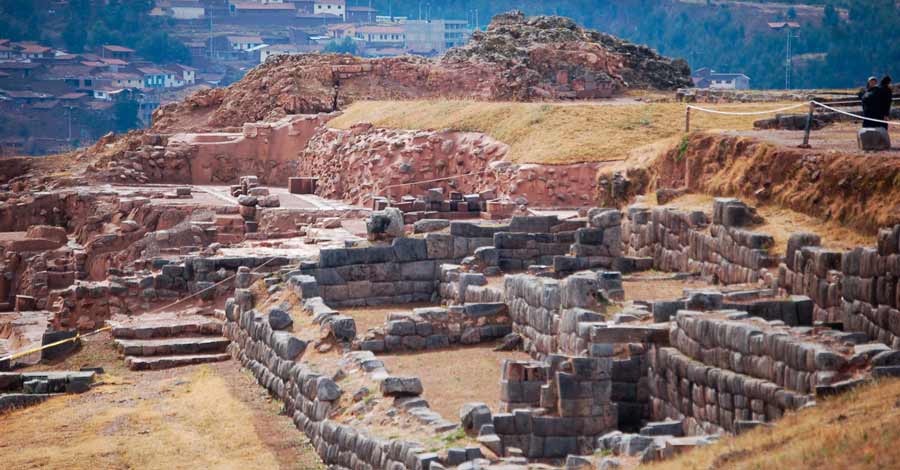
(415,299)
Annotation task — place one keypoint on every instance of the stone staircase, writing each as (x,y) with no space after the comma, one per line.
(166,340)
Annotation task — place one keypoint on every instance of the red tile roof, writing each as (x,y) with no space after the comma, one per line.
(114,48)
(267,6)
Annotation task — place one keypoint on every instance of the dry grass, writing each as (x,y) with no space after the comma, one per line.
(551,132)
(780,222)
(660,289)
(455,376)
(857,430)
(196,417)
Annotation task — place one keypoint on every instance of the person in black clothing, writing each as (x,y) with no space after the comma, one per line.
(885,99)
(872,82)
(877,103)
(867,101)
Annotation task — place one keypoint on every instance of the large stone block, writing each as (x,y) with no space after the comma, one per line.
(873,139)
(395,386)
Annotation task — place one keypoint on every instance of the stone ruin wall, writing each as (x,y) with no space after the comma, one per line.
(856,287)
(363,161)
(720,373)
(267,149)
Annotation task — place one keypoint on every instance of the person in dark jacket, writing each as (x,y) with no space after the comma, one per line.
(872,82)
(885,99)
(867,101)
(877,103)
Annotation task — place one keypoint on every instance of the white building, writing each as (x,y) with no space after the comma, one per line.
(187,10)
(435,36)
(380,36)
(708,78)
(244,43)
(331,7)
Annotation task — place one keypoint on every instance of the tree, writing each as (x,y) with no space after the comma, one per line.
(345,46)
(74,36)
(126,115)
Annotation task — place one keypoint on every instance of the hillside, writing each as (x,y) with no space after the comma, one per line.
(517,59)
(545,132)
(857,430)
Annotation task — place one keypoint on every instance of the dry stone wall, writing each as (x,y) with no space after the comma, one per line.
(272,356)
(723,369)
(437,328)
(557,407)
(857,287)
(686,242)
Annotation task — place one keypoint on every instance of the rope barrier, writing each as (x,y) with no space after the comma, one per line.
(79,335)
(53,344)
(433,180)
(747,113)
(890,123)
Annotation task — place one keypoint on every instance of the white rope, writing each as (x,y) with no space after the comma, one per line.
(748,113)
(890,123)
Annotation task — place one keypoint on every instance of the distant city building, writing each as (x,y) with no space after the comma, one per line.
(380,36)
(390,19)
(111,51)
(435,36)
(708,78)
(331,7)
(187,10)
(244,43)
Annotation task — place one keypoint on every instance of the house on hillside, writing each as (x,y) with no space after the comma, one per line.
(29,50)
(379,36)
(331,7)
(708,78)
(361,14)
(20,70)
(111,51)
(153,77)
(244,43)
(122,80)
(187,10)
(188,73)
(435,36)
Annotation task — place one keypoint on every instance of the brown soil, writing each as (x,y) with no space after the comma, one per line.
(211,416)
(454,377)
(856,190)
(651,289)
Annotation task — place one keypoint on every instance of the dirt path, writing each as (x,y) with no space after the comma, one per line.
(207,416)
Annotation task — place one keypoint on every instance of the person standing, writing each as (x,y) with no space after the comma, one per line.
(872,82)
(885,99)
(872,103)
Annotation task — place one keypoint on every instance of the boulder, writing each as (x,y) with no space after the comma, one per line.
(394,386)
(474,415)
(387,223)
(279,319)
(873,139)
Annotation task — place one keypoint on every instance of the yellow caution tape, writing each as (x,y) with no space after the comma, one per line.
(56,343)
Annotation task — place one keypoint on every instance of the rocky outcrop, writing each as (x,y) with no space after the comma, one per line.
(552,57)
(517,58)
